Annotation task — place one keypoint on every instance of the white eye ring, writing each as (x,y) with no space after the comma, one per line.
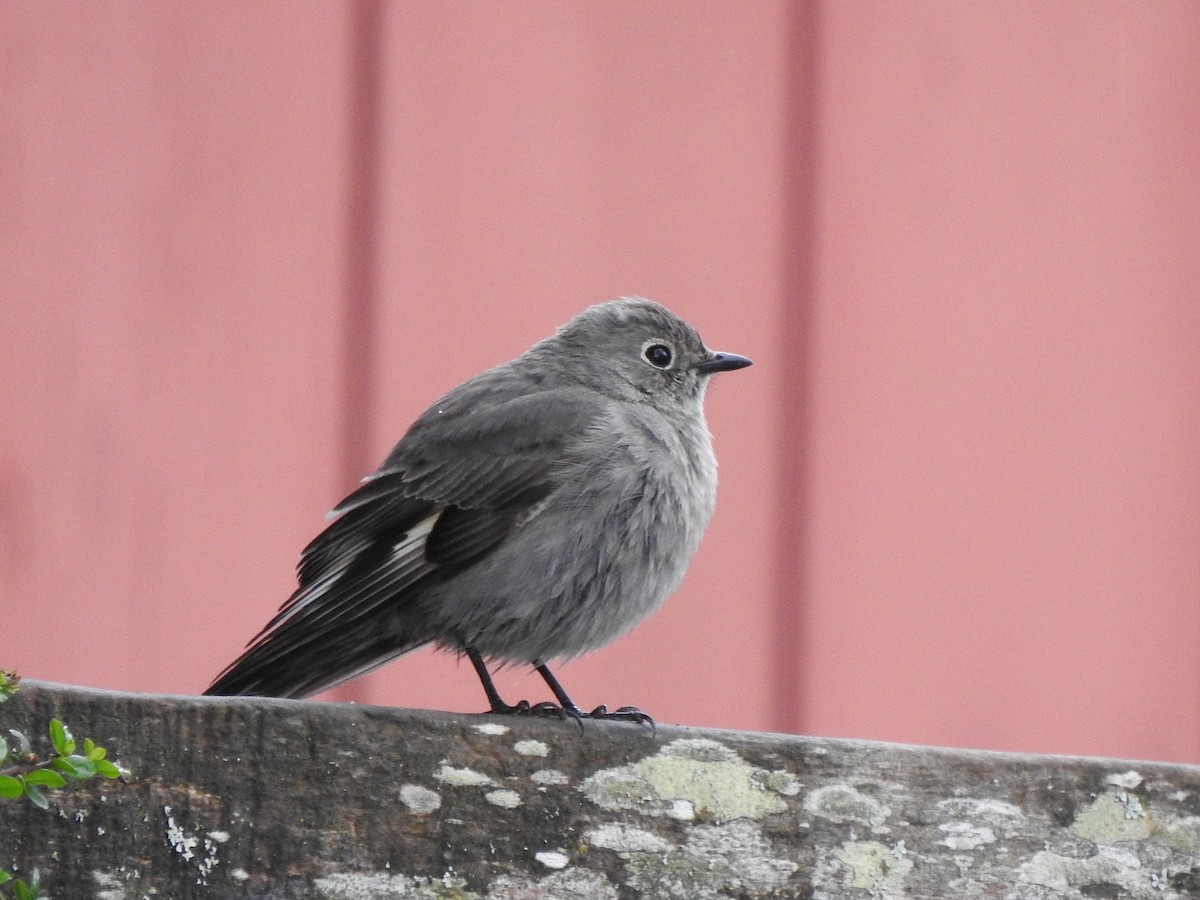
(659,354)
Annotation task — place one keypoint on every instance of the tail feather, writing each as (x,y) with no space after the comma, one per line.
(303,670)
(355,608)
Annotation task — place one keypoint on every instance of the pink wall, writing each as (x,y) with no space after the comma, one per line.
(1004,487)
(243,246)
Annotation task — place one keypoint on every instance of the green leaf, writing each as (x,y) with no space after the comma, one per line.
(21,891)
(5,877)
(45,778)
(60,735)
(84,767)
(38,798)
(22,741)
(76,767)
(94,753)
(10,787)
(107,769)
(8,684)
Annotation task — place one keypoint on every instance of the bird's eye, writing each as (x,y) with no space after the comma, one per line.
(658,355)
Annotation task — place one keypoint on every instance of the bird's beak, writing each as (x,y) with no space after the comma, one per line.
(722,362)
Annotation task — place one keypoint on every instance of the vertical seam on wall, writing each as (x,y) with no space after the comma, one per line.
(360,300)
(797,333)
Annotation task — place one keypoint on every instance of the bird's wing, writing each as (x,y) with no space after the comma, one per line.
(486,456)
(489,441)
(468,472)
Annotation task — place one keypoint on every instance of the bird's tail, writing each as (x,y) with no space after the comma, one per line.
(276,667)
(354,609)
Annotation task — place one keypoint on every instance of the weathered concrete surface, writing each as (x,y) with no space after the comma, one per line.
(239,798)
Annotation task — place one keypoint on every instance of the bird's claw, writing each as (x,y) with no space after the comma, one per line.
(545,709)
(549,709)
(623,714)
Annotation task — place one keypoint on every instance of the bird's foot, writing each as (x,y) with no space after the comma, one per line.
(500,708)
(623,714)
(547,709)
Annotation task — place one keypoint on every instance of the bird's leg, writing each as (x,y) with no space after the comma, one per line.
(498,706)
(624,714)
(567,704)
(566,707)
(523,708)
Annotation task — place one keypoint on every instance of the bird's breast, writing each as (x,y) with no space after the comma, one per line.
(602,552)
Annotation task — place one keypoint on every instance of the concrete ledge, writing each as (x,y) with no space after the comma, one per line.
(241,798)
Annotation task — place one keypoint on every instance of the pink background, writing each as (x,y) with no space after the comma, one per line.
(243,244)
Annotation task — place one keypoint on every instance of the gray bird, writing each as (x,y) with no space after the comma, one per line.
(537,511)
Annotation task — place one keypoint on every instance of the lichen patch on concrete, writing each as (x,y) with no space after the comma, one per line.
(710,778)
(742,847)
(683,810)
(568,884)
(870,866)
(552,859)
(201,852)
(626,839)
(715,861)
(844,803)
(1111,872)
(1129,780)
(532,748)
(461,777)
(387,886)
(1137,853)
(108,886)
(965,835)
(1113,816)
(419,800)
(1182,834)
(503,798)
(996,814)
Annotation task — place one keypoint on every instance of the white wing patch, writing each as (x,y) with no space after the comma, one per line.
(407,556)
(412,545)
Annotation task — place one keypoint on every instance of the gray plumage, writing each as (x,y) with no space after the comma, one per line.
(537,511)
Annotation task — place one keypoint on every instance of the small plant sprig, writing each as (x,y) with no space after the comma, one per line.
(31,776)
(23,773)
(23,890)
(8,684)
